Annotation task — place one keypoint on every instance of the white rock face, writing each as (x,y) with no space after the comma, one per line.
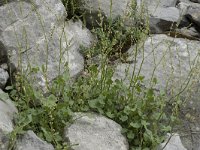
(95,132)
(29,141)
(173,142)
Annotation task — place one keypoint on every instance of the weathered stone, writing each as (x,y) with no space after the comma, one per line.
(173,142)
(91,131)
(7,111)
(4,66)
(157,3)
(163,19)
(193,14)
(189,12)
(3,78)
(190,33)
(35,34)
(107,9)
(195,1)
(4,141)
(168,59)
(163,15)
(29,141)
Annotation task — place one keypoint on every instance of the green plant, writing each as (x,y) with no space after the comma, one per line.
(45,115)
(139,110)
(73,8)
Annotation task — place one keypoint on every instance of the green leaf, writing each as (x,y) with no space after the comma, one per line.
(92,103)
(110,115)
(4,96)
(130,135)
(50,101)
(47,135)
(154,80)
(166,128)
(135,125)
(145,123)
(9,88)
(123,118)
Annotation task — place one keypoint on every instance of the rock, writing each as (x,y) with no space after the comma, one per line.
(195,1)
(42,39)
(190,33)
(7,111)
(193,14)
(4,66)
(95,132)
(155,3)
(163,19)
(29,141)
(173,142)
(92,9)
(3,78)
(163,15)
(169,60)
(4,141)
(189,12)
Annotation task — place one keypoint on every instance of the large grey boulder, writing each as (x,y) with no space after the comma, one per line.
(35,34)
(30,141)
(170,60)
(95,132)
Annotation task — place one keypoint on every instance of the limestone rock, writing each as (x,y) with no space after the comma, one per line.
(195,1)
(193,14)
(35,34)
(7,111)
(156,3)
(29,141)
(167,59)
(4,141)
(163,15)
(163,19)
(189,13)
(95,132)
(108,9)
(190,33)
(3,78)
(173,142)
